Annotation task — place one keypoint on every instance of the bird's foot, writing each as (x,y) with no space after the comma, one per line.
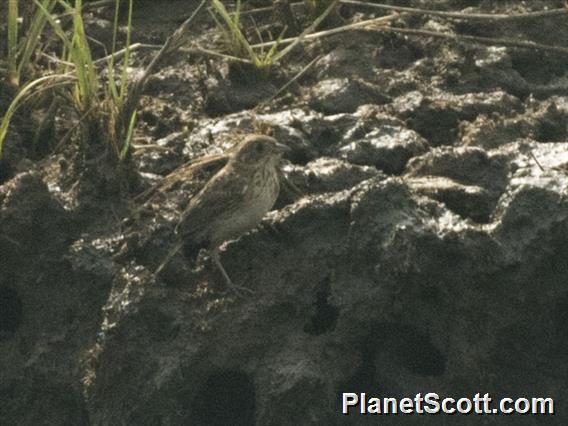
(237,289)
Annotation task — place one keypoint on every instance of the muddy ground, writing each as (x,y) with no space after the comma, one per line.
(426,250)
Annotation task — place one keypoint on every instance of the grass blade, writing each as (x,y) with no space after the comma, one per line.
(128,139)
(237,34)
(126,59)
(13,77)
(32,38)
(18,100)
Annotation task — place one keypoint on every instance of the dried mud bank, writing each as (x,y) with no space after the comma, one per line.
(427,252)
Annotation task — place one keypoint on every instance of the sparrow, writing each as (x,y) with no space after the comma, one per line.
(233,201)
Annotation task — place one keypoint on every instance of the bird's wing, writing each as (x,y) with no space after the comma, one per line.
(225,192)
(205,166)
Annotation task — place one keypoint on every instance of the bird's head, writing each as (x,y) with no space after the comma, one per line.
(259,149)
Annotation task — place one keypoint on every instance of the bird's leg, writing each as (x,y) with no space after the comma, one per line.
(236,288)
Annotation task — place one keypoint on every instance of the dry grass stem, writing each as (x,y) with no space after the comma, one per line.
(458,15)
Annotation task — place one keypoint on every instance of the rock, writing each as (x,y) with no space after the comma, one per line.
(338,95)
(49,311)
(289,127)
(437,117)
(226,96)
(13,156)
(491,133)
(469,201)
(344,62)
(355,290)
(164,159)
(470,166)
(32,221)
(475,180)
(328,175)
(387,148)
(545,123)
(496,70)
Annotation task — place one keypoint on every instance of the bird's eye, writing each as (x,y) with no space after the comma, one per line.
(259,148)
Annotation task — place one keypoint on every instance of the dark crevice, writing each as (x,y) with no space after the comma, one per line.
(6,173)
(11,311)
(364,377)
(402,345)
(325,138)
(226,398)
(438,126)
(417,353)
(149,118)
(325,315)
(538,68)
(369,377)
(552,273)
(561,328)
(549,130)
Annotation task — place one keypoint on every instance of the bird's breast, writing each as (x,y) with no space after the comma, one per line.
(259,196)
(265,188)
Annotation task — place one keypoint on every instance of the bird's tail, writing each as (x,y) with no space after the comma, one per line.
(169,257)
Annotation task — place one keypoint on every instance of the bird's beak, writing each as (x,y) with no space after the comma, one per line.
(281,148)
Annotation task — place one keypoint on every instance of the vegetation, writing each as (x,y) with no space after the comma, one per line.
(76,79)
(316,7)
(20,52)
(97,90)
(239,46)
(235,40)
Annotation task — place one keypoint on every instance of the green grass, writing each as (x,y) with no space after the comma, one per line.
(231,27)
(98,102)
(20,51)
(121,132)
(12,39)
(236,41)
